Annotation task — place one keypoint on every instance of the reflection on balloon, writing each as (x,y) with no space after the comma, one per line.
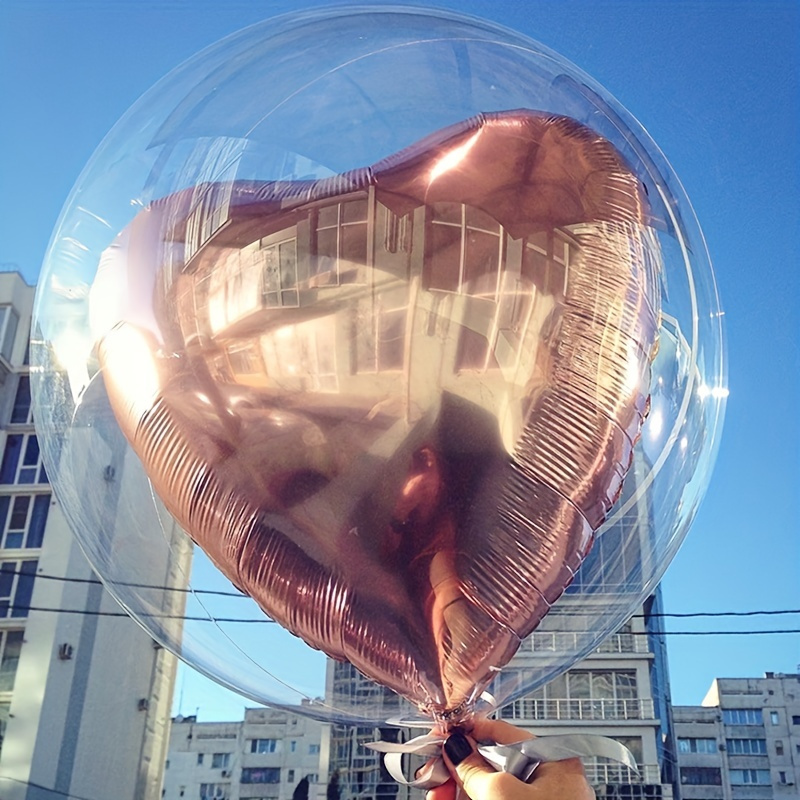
(520,301)
(392,382)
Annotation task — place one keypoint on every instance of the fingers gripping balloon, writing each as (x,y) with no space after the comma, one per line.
(394,405)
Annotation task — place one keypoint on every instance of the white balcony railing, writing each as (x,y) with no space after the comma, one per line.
(599,774)
(528,708)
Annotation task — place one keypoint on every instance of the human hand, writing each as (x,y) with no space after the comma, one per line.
(554,780)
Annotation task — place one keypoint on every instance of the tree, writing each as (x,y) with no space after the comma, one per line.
(334,791)
(301,790)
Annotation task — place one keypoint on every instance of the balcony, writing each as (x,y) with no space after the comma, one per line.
(599,774)
(544,642)
(588,710)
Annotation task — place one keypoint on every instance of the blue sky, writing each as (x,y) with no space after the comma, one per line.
(714,83)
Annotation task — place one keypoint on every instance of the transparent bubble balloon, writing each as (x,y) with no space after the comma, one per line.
(385,335)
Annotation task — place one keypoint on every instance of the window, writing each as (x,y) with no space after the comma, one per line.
(313,749)
(21,412)
(742,716)
(779,748)
(747,747)
(22,520)
(340,245)
(212,195)
(200,758)
(9,320)
(701,776)
(796,719)
(265,746)
(740,777)
(10,647)
(261,774)
(692,745)
(22,461)
(4,711)
(279,273)
(545,261)
(293,746)
(782,777)
(290,776)
(214,791)
(312,778)
(220,760)
(16,587)
(774,718)
(463,250)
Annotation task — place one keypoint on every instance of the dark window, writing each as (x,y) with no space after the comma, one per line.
(261,775)
(796,719)
(701,776)
(10,647)
(21,460)
(220,760)
(21,413)
(16,587)
(22,520)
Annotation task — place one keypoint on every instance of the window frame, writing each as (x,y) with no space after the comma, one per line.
(30,534)
(27,459)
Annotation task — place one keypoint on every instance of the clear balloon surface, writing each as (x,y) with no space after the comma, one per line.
(386,332)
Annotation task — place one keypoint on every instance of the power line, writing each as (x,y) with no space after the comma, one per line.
(86,613)
(266,620)
(242,595)
(156,587)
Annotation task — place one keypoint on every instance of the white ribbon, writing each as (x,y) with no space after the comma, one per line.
(520,759)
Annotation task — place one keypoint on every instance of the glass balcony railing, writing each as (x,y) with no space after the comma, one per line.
(599,774)
(587,709)
(544,642)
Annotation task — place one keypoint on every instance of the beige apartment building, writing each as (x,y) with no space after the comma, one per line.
(743,742)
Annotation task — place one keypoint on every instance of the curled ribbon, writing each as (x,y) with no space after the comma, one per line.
(520,759)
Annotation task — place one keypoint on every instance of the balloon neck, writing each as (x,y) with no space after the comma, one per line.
(447,719)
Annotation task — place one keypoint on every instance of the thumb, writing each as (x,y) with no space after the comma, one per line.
(478,778)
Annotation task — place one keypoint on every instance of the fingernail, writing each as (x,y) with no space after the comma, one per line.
(457,748)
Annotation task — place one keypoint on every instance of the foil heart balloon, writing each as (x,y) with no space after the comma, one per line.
(394,405)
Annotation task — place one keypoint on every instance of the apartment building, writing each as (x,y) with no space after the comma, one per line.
(85,693)
(271,755)
(743,742)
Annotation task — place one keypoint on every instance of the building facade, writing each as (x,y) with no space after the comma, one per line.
(620,691)
(743,743)
(85,693)
(271,755)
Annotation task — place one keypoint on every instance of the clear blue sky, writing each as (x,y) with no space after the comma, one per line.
(715,84)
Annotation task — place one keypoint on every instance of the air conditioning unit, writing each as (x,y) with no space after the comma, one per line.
(143,704)
(108,473)
(226,773)
(65,652)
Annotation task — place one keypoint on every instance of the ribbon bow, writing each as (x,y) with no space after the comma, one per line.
(520,759)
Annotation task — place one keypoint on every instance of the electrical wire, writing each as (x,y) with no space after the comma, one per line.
(267,620)
(241,595)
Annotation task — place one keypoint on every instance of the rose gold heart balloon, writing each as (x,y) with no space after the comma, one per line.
(394,405)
